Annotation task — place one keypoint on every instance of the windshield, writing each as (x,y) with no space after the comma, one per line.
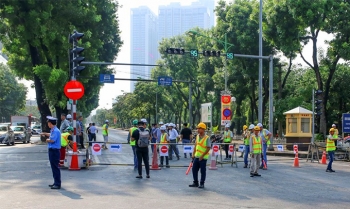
(3,128)
(36,127)
(18,128)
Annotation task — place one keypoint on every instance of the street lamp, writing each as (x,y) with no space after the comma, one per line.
(226,46)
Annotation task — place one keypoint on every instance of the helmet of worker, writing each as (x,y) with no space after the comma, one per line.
(227,126)
(70,128)
(162,128)
(331,130)
(202,126)
(135,122)
(106,121)
(69,116)
(259,124)
(251,126)
(245,127)
(333,125)
(144,120)
(256,128)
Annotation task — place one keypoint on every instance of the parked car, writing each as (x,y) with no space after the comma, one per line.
(6,135)
(21,135)
(36,129)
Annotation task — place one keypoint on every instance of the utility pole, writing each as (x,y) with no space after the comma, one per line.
(280,95)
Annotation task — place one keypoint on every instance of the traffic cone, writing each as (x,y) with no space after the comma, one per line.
(213,162)
(74,162)
(296,161)
(324,158)
(155,165)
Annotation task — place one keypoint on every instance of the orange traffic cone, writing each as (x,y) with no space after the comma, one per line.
(213,162)
(74,162)
(296,161)
(155,165)
(324,158)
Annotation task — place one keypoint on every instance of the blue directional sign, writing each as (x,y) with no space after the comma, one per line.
(165,81)
(115,147)
(346,122)
(106,78)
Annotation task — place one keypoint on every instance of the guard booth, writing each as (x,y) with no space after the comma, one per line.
(298,127)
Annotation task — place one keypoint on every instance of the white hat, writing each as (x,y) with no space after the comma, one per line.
(251,126)
(106,121)
(171,125)
(167,124)
(143,120)
(161,123)
(227,126)
(69,116)
(333,125)
(260,125)
(162,128)
(51,118)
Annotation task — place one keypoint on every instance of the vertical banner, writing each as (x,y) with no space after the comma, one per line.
(206,112)
(96,149)
(226,111)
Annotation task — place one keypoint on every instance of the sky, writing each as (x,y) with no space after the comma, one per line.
(110,91)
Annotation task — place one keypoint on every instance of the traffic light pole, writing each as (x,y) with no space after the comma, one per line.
(74,105)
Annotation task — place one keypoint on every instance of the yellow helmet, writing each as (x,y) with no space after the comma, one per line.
(245,127)
(256,128)
(202,125)
(331,130)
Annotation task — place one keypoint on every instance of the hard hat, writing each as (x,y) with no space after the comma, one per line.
(135,122)
(333,125)
(70,128)
(162,128)
(106,121)
(251,126)
(227,126)
(259,124)
(202,125)
(245,127)
(144,120)
(69,116)
(256,128)
(331,130)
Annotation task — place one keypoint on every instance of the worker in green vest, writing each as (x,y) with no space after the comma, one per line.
(228,137)
(255,151)
(330,148)
(66,139)
(105,133)
(132,143)
(246,135)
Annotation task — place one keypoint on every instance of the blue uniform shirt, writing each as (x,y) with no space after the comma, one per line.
(55,135)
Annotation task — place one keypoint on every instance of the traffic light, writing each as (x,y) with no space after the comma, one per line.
(75,52)
(229,55)
(318,103)
(194,53)
(175,51)
(208,53)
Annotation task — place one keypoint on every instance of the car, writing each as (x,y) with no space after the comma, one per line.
(20,133)
(6,135)
(36,129)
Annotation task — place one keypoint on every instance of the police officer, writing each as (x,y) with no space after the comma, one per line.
(54,145)
(200,156)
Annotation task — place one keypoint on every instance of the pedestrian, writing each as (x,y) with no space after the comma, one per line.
(93,131)
(228,137)
(330,148)
(66,138)
(89,133)
(186,136)
(153,135)
(265,136)
(64,123)
(244,133)
(54,146)
(247,135)
(141,138)
(69,119)
(81,130)
(133,143)
(173,141)
(105,133)
(164,140)
(200,156)
(255,151)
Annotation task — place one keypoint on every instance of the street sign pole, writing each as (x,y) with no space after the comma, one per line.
(75,120)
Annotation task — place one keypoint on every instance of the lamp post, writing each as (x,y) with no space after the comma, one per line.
(226,46)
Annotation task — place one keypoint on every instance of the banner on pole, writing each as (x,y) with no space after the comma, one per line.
(206,112)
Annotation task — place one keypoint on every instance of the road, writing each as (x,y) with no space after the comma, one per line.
(25,174)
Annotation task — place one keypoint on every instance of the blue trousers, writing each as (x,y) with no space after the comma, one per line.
(153,140)
(331,159)
(195,169)
(246,153)
(54,158)
(264,149)
(186,141)
(135,156)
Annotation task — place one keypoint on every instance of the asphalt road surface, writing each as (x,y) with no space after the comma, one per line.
(25,174)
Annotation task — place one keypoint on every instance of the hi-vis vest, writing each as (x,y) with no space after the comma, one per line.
(64,139)
(163,139)
(336,133)
(104,130)
(256,144)
(330,146)
(227,136)
(246,139)
(132,129)
(265,136)
(201,147)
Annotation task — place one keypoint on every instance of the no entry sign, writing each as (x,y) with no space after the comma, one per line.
(74,90)
(96,149)
(163,150)
(230,151)
(216,149)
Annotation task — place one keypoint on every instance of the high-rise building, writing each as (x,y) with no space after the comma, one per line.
(143,46)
